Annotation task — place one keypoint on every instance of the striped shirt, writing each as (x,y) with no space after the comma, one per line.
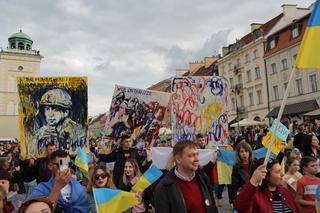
(278,206)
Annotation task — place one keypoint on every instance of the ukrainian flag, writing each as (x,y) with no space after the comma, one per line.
(226,159)
(308,56)
(148,178)
(113,200)
(82,160)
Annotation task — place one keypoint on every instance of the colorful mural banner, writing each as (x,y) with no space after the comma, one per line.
(52,110)
(137,113)
(199,105)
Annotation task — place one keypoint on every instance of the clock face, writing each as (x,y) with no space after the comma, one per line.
(20,68)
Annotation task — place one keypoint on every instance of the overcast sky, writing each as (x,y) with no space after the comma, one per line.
(134,43)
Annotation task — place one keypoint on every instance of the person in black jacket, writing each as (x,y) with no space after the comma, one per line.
(119,156)
(299,139)
(243,167)
(185,188)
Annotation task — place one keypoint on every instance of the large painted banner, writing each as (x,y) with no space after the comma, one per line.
(137,113)
(199,105)
(53,110)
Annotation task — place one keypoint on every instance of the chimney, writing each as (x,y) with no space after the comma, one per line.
(289,10)
(195,66)
(225,51)
(255,26)
(181,72)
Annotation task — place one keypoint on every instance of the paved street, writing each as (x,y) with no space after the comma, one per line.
(225,207)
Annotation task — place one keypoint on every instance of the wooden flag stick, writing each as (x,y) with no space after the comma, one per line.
(277,122)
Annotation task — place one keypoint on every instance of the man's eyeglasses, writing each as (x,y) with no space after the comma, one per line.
(103,176)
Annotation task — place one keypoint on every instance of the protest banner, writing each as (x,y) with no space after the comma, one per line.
(137,113)
(52,110)
(199,105)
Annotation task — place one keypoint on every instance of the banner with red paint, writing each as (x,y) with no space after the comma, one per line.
(199,105)
(137,113)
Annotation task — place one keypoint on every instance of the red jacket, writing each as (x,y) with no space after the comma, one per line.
(251,199)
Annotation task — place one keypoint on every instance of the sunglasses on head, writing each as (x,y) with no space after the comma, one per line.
(103,176)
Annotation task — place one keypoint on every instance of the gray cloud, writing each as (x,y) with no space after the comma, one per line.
(127,42)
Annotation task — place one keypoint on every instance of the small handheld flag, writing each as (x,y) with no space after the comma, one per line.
(82,160)
(113,200)
(148,178)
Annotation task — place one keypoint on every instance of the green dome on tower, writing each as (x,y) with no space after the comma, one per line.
(20,41)
(20,35)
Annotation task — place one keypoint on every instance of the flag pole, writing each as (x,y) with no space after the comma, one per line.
(277,122)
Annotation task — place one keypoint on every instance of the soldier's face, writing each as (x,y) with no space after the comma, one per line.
(54,115)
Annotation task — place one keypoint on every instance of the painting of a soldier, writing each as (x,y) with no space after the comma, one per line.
(58,128)
(52,111)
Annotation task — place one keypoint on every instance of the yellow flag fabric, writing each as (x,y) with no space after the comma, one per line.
(277,146)
(308,56)
(113,200)
(224,173)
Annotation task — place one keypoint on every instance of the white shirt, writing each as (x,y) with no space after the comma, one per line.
(66,193)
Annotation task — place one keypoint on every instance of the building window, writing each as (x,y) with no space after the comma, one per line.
(255,54)
(273,68)
(11,84)
(313,83)
(241,101)
(294,59)
(249,76)
(240,79)
(251,102)
(276,92)
(230,66)
(259,95)
(272,44)
(247,58)
(233,102)
(299,86)
(284,64)
(238,63)
(20,46)
(10,108)
(231,82)
(257,71)
(295,32)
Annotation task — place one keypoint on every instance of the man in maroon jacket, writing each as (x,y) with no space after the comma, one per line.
(185,188)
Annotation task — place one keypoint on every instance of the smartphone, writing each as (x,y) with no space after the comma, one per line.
(63,164)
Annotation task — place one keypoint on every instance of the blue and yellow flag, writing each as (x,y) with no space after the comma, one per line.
(82,160)
(226,159)
(113,200)
(308,56)
(149,177)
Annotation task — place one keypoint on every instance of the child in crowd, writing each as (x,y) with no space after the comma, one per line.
(292,174)
(307,185)
(241,170)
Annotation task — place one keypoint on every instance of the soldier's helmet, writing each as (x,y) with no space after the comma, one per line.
(56,97)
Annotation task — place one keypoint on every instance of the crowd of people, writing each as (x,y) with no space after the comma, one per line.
(54,183)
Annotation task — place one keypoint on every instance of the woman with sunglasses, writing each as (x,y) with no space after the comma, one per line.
(268,197)
(101,178)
